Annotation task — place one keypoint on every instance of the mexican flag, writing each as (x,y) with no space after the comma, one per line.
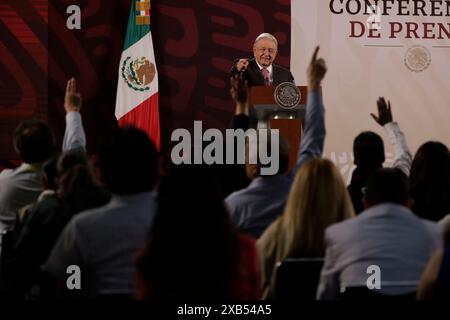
(137,88)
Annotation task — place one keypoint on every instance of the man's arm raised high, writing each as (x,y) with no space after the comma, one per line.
(314,132)
(74,136)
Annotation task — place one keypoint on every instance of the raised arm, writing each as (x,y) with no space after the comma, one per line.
(402,154)
(239,66)
(74,136)
(240,93)
(314,131)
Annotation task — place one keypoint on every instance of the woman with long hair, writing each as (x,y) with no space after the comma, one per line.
(194,251)
(318,198)
(76,190)
(429,181)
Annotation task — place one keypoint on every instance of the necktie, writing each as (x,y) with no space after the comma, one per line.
(266,76)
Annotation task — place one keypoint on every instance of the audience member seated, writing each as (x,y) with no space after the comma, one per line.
(232,177)
(318,199)
(368,152)
(49,184)
(430,181)
(103,241)
(254,208)
(194,251)
(387,234)
(43,221)
(34,142)
(7,281)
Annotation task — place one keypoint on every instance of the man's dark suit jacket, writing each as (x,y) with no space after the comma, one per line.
(255,78)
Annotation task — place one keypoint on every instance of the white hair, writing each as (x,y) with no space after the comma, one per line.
(266,36)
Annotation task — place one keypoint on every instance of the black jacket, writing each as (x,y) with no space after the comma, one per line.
(255,78)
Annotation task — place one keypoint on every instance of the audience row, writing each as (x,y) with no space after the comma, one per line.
(135,233)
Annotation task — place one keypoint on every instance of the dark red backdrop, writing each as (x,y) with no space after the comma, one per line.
(195,44)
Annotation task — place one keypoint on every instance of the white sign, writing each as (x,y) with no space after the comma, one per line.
(396,49)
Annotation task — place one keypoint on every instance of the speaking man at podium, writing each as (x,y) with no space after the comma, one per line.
(261,70)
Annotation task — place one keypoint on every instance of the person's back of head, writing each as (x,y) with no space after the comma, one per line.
(129,162)
(33,141)
(69,159)
(275,148)
(77,186)
(198,192)
(368,150)
(193,228)
(318,198)
(387,185)
(430,181)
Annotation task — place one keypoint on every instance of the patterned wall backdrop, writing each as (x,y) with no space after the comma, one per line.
(23,66)
(195,45)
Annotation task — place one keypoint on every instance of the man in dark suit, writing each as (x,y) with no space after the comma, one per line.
(261,70)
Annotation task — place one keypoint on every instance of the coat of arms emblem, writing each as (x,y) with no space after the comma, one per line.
(287,95)
(138,73)
(417,58)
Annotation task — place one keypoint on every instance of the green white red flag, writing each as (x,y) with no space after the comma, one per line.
(137,88)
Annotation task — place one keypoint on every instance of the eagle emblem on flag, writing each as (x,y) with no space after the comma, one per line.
(138,73)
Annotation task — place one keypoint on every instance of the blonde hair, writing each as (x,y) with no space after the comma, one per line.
(318,199)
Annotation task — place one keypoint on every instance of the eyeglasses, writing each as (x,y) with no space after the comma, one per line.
(270,50)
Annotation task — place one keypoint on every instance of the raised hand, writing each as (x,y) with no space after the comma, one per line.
(239,89)
(384,112)
(240,93)
(316,71)
(72,99)
(242,65)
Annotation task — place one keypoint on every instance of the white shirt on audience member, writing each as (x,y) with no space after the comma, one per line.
(103,242)
(387,235)
(23,185)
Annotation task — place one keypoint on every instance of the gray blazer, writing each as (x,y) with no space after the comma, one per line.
(389,236)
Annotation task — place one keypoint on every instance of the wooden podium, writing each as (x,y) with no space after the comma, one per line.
(289,122)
